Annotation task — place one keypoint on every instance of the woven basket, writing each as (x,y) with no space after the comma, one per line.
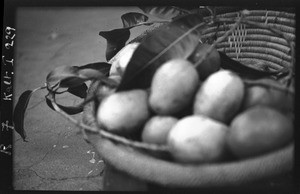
(246,43)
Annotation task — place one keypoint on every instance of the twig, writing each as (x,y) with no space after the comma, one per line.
(212,11)
(128,142)
(39,88)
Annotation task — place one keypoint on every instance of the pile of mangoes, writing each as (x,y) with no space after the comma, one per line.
(202,114)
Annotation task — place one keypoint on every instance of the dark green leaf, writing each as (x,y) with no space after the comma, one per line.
(132,19)
(102,67)
(70,82)
(19,113)
(164,12)
(61,73)
(71,110)
(116,40)
(177,39)
(80,91)
(73,76)
(92,74)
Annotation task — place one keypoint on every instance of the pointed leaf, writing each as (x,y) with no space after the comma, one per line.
(60,73)
(71,82)
(71,110)
(80,91)
(19,113)
(116,40)
(131,19)
(178,39)
(72,76)
(102,67)
(94,74)
(94,71)
(164,12)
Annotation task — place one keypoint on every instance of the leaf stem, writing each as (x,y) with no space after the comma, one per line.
(39,88)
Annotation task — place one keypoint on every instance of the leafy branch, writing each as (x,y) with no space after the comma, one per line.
(63,79)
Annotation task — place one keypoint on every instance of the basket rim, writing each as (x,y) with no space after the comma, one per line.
(132,162)
(143,166)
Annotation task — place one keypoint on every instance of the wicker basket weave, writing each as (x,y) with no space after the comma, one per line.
(245,44)
(251,43)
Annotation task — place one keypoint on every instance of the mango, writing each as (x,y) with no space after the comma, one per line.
(173,87)
(157,129)
(259,130)
(124,112)
(268,96)
(220,96)
(197,139)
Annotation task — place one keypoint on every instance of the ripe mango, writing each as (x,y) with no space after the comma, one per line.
(220,96)
(124,112)
(259,130)
(173,87)
(197,139)
(157,128)
(262,95)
